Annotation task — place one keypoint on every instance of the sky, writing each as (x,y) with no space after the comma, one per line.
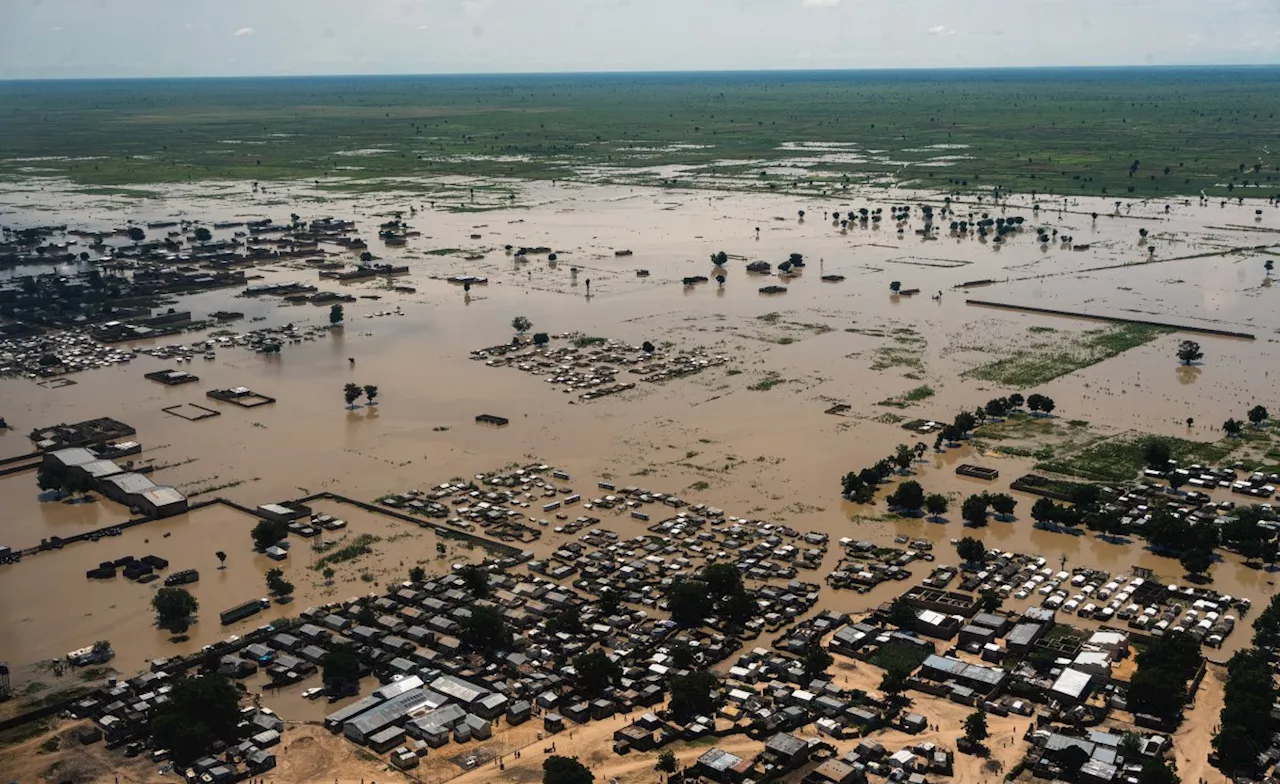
(178,38)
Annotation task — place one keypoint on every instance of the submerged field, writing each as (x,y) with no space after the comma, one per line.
(1128,133)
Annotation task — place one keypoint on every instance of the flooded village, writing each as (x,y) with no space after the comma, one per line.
(888,486)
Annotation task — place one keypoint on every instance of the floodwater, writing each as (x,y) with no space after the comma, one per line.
(761,453)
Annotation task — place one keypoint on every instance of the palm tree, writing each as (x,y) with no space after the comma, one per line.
(351,392)
(370,392)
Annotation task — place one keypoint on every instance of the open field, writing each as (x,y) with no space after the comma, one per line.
(1061,131)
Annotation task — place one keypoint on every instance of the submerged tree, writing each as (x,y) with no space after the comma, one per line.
(174,608)
(351,392)
(521,324)
(371,392)
(1189,351)
(335,314)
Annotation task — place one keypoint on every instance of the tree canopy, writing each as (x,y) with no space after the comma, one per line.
(174,608)
(596,672)
(268,532)
(340,668)
(971,550)
(484,631)
(476,580)
(975,726)
(201,710)
(693,695)
(565,770)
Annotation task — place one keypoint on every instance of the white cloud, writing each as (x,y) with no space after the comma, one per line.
(243,31)
(941,30)
(819,3)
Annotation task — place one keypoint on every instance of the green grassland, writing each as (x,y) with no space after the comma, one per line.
(1051,130)
(1121,459)
(1044,359)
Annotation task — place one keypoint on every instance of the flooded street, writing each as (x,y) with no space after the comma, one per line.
(758,450)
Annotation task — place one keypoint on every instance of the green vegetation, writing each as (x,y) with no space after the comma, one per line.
(1159,685)
(1245,723)
(361,545)
(898,657)
(24,732)
(200,711)
(1122,458)
(174,609)
(908,398)
(1131,133)
(1040,361)
(588,340)
(770,380)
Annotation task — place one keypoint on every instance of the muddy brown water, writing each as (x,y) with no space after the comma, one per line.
(768,454)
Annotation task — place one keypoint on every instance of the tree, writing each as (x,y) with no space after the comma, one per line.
(1003,504)
(1245,722)
(1196,561)
(203,234)
(689,602)
(964,422)
(1189,351)
(417,574)
(719,259)
(351,393)
(693,695)
(174,608)
(1158,770)
(997,407)
(909,495)
(335,314)
(476,580)
(1035,401)
(1258,415)
(893,682)
(596,672)
(936,505)
(990,601)
(521,324)
(902,614)
(567,621)
(816,660)
(340,668)
(1158,686)
(1071,759)
(366,257)
(1044,510)
(647,347)
(975,726)
(1016,400)
(222,559)
(541,339)
(971,550)
(200,711)
(371,392)
(1157,454)
(484,631)
(895,286)
(565,770)
(136,234)
(903,457)
(610,603)
(667,761)
(48,478)
(277,585)
(682,656)
(327,574)
(366,616)
(1232,427)
(974,509)
(268,532)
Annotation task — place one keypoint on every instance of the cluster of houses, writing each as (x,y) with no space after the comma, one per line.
(74,351)
(864,565)
(266,340)
(121,712)
(591,369)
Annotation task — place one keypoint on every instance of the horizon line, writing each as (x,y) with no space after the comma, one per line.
(669,72)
